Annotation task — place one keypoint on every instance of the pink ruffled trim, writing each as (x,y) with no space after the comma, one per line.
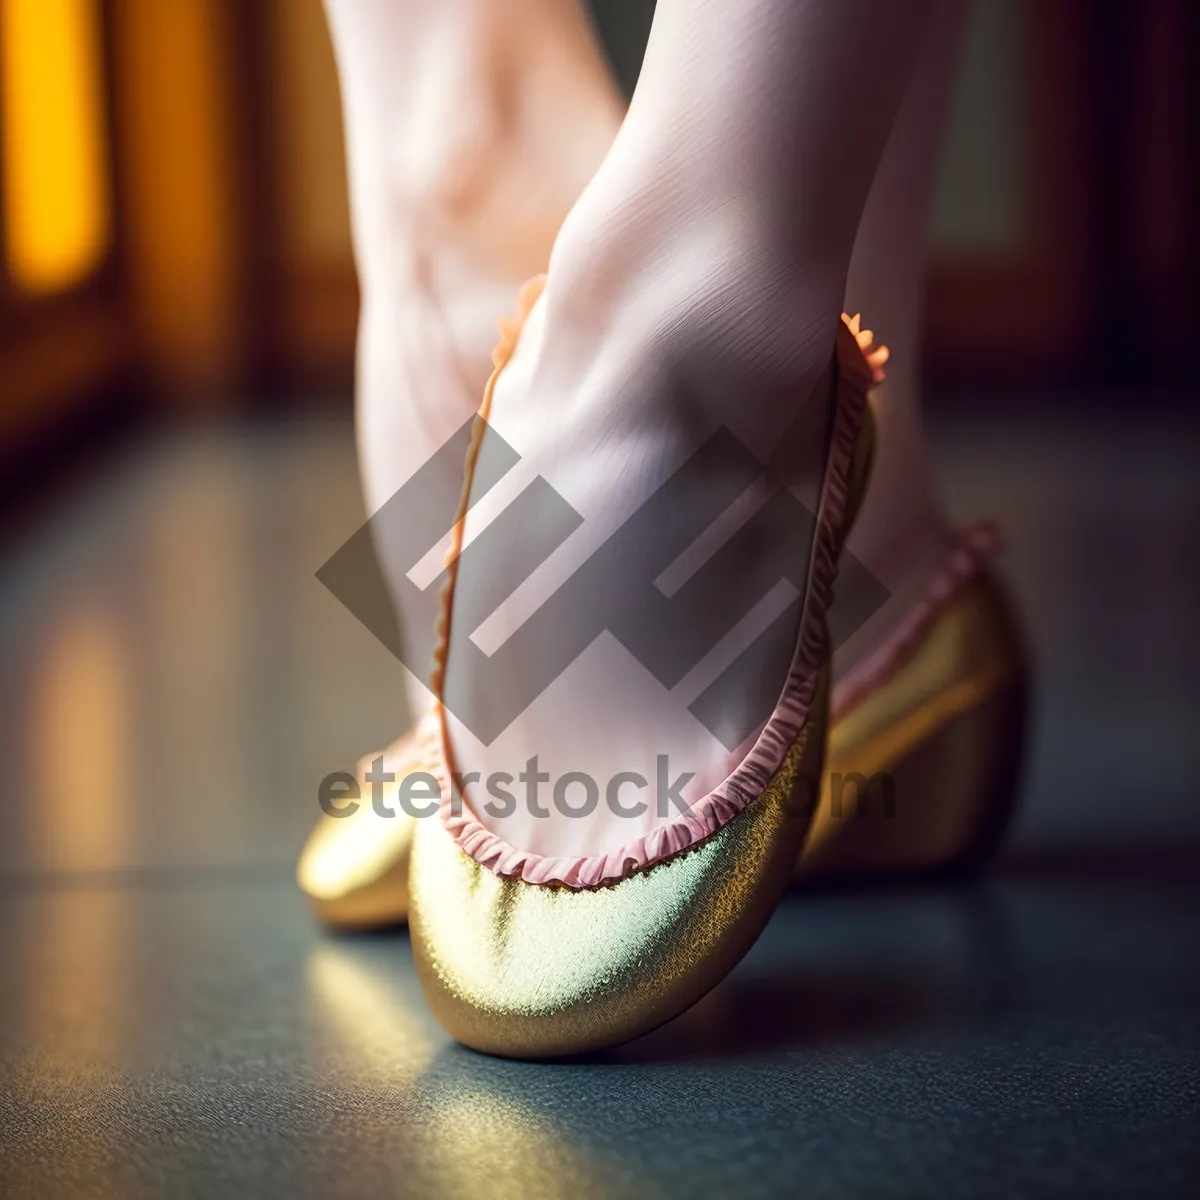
(859,365)
(970,549)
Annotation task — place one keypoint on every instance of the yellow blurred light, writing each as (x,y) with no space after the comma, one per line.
(56,201)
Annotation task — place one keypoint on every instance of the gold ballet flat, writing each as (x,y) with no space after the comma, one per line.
(353,869)
(922,765)
(532,957)
(530,971)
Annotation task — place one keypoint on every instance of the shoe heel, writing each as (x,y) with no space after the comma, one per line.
(931,787)
(944,806)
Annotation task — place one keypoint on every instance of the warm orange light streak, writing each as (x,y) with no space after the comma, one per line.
(56,196)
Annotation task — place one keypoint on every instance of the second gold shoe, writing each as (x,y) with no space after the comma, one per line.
(926,739)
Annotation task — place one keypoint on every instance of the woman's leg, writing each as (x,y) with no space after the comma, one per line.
(695,287)
(471,128)
(900,534)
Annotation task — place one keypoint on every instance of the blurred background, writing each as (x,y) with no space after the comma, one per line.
(177,322)
(176,232)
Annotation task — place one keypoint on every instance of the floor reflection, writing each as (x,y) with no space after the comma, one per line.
(177,679)
(81,741)
(365,995)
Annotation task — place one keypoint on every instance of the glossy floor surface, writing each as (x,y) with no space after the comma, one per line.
(174,683)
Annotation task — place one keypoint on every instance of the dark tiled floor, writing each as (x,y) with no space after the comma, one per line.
(174,683)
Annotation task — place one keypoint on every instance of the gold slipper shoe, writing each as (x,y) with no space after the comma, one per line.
(353,869)
(926,741)
(526,956)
